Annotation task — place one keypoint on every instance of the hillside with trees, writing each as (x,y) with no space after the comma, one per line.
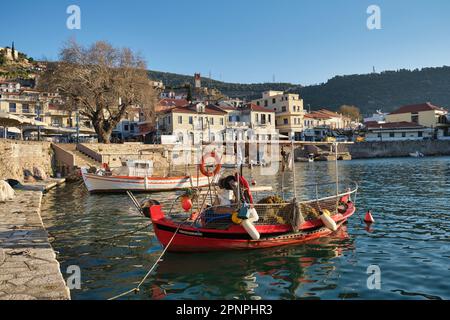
(369,92)
(234,90)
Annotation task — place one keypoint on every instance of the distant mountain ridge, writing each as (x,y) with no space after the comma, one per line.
(387,90)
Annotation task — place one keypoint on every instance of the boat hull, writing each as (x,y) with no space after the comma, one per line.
(189,239)
(97,183)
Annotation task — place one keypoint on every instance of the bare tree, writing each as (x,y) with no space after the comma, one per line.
(350,111)
(102,82)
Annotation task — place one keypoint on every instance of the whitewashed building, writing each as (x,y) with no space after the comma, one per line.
(397,131)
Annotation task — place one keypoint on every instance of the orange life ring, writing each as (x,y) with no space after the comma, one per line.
(203,168)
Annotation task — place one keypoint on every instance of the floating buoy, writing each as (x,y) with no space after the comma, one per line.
(253,182)
(369,218)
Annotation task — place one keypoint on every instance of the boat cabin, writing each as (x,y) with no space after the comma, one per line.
(136,168)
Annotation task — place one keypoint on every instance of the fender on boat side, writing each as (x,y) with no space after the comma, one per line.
(156,212)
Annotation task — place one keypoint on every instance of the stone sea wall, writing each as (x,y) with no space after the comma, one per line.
(28,266)
(17,156)
(388,149)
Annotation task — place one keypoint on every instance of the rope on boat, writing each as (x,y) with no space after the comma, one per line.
(137,288)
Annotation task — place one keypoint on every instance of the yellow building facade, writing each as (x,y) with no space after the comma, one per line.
(289,111)
(426,114)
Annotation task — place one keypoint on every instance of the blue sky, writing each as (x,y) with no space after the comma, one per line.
(245,41)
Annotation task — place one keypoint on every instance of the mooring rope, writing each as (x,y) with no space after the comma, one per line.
(137,288)
(123,234)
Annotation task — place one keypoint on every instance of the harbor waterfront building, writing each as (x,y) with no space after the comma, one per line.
(396,131)
(289,112)
(45,108)
(425,114)
(211,123)
(193,123)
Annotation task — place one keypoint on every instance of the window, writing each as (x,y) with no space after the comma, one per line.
(274,100)
(132,127)
(212,121)
(221,121)
(266,103)
(263,119)
(257,103)
(25,108)
(415,117)
(403,134)
(392,135)
(180,119)
(257,118)
(168,120)
(191,120)
(379,135)
(420,134)
(283,109)
(285,121)
(126,127)
(12,107)
(270,119)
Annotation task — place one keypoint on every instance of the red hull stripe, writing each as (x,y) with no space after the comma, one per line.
(217,235)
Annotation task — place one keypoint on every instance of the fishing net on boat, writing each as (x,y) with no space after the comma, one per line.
(220,217)
(274,210)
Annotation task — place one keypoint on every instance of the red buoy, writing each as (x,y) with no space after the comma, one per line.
(253,182)
(186,204)
(369,218)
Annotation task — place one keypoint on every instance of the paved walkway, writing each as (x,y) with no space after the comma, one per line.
(28,265)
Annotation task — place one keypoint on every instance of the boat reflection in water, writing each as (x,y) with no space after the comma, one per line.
(262,274)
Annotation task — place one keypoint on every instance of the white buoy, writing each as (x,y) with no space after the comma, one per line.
(6,191)
(251,230)
(328,221)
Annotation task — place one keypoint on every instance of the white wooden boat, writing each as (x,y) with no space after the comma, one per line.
(137,175)
(417,154)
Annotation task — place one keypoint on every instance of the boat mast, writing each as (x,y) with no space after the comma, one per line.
(293,169)
(337,170)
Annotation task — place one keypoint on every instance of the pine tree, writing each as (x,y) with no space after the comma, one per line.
(13,52)
(189,93)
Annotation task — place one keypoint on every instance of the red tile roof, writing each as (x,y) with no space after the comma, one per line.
(254,107)
(317,115)
(417,108)
(192,109)
(393,125)
(166,104)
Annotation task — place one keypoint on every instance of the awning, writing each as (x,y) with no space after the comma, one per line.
(14,130)
(59,130)
(11,120)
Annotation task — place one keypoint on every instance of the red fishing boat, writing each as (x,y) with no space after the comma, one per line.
(243,224)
